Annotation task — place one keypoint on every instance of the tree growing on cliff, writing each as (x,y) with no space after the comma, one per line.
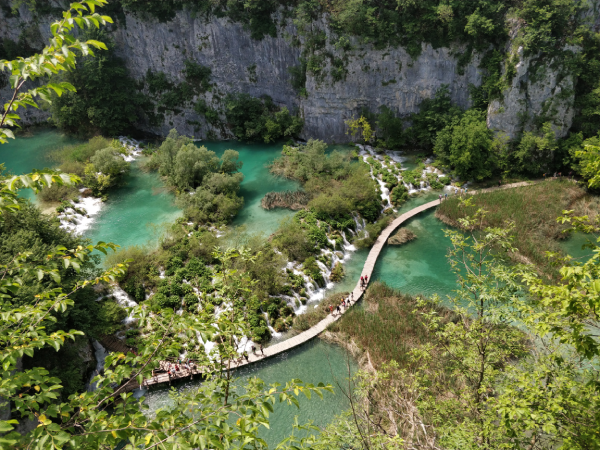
(362,126)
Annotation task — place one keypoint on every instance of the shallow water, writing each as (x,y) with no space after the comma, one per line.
(314,362)
(257,182)
(136,212)
(28,152)
(573,246)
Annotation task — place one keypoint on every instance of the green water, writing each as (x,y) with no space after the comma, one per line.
(133,214)
(28,152)
(573,246)
(257,182)
(136,212)
(417,267)
(313,362)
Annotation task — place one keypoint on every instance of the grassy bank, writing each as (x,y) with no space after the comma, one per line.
(388,325)
(533,209)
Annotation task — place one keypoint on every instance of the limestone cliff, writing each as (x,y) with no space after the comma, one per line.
(372,77)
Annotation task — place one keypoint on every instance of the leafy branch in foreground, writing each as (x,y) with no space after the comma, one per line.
(59,56)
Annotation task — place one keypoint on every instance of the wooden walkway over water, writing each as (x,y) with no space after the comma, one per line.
(314,331)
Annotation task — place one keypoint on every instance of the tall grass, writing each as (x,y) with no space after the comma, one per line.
(533,209)
(388,326)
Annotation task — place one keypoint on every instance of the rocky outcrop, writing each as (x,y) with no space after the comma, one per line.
(549,94)
(238,62)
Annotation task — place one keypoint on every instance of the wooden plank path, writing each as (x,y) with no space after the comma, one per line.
(314,331)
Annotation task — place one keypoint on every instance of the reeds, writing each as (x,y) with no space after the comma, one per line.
(388,326)
(533,209)
(287,199)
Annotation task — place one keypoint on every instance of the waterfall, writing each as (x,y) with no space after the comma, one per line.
(77,222)
(124,300)
(101,354)
(348,247)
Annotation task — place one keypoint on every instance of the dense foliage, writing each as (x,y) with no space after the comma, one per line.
(259,119)
(100,164)
(208,184)
(106,100)
(337,185)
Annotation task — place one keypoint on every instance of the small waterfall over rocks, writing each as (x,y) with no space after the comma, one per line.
(80,216)
(101,353)
(392,162)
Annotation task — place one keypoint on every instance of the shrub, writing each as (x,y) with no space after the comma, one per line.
(337,273)
(57,193)
(468,146)
(259,119)
(399,195)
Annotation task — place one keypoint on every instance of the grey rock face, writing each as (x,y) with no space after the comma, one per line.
(384,77)
(549,94)
(373,78)
(238,62)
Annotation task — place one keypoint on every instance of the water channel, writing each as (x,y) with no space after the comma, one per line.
(135,213)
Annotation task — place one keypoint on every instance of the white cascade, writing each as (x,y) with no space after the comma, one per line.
(101,354)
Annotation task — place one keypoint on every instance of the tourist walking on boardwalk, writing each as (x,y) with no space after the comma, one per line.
(446,196)
(261,350)
(254,349)
(440,198)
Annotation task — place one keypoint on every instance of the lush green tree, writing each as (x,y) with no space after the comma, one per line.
(110,161)
(191,165)
(434,115)
(259,119)
(588,162)
(362,126)
(468,146)
(536,152)
(106,99)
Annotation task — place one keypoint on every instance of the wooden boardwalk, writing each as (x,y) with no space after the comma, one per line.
(314,331)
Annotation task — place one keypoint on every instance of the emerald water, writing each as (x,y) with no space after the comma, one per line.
(419,266)
(573,246)
(29,152)
(257,182)
(136,212)
(314,362)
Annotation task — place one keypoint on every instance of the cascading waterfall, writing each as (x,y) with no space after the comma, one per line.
(80,216)
(123,299)
(100,354)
